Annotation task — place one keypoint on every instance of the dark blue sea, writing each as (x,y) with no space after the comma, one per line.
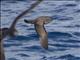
(63,31)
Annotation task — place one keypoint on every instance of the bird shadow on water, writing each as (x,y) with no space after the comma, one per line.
(12,41)
(54,36)
(51,35)
(23,38)
(63,41)
(58,34)
(63,37)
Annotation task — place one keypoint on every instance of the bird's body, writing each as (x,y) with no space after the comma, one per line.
(40,29)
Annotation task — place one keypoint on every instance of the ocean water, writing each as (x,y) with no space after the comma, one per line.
(63,31)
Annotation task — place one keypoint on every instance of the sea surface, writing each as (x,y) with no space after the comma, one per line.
(63,31)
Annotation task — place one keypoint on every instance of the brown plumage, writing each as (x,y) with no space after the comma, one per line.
(39,27)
